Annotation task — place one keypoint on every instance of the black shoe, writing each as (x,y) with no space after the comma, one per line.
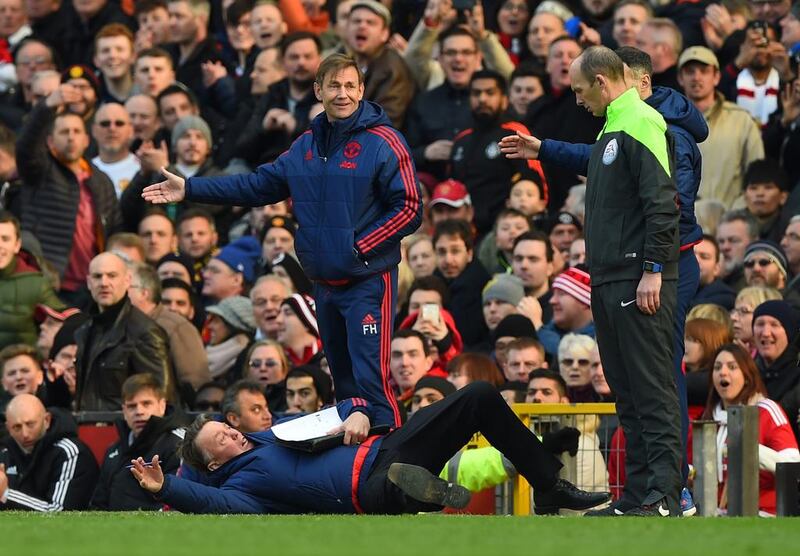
(420,484)
(613,510)
(659,509)
(566,495)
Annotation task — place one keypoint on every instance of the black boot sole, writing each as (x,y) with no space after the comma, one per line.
(420,484)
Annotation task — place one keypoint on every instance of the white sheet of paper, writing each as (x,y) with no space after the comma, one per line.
(309,426)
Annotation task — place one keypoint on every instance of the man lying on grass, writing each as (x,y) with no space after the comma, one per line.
(388,474)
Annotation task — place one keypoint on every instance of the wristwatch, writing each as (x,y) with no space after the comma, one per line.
(650,266)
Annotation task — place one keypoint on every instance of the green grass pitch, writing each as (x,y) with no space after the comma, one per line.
(172,534)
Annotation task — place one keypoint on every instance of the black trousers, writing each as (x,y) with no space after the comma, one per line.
(436,433)
(636,351)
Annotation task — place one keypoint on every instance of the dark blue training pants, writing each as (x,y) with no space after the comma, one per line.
(355,324)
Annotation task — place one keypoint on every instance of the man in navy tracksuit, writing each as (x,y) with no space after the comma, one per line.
(355,196)
(391,474)
(687,128)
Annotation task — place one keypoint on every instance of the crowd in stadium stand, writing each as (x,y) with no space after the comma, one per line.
(111,304)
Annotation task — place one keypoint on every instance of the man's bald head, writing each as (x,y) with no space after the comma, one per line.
(27,421)
(108,280)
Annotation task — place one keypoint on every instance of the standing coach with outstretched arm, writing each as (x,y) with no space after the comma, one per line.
(632,253)
(355,196)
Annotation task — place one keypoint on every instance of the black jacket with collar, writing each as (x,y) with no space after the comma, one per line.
(782,380)
(113,345)
(51,193)
(117,489)
(466,302)
(58,475)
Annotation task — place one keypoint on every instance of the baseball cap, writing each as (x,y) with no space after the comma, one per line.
(376,8)
(452,193)
(698,54)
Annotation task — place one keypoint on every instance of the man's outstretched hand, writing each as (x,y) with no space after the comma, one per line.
(520,145)
(150,478)
(171,190)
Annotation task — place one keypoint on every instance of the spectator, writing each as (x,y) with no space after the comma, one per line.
(278,237)
(61,374)
(410,361)
(556,115)
(736,381)
(790,243)
(500,296)
(546,386)
(20,371)
(574,364)
(572,312)
(298,331)
(54,470)
(143,113)
(420,255)
(68,206)
(245,408)
(712,289)
(267,24)
(13,29)
(128,246)
(524,355)
(765,265)
(509,329)
(388,81)
(118,342)
(266,363)
(153,19)
(209,398)
(735,232)
(470,367)
(439,114)
(240,41)
(186,351)
(153,71)
(288,269)
(464,276)
(496,249)
(577,252)
(765,193)
(285,111)
(564,229)
(31,55)
(661,39)
(23,286)
(50,322)
(703,338)
(267,294)
(178,296)
(308,389)
(630,16)
(231,271)
(450,200)
(114,57)
(543,28)
(476,158)
(231,328)
(747,300)
(84,80)
(532,262)
(525,85)
(113,133)
(197,238)
(146,430)
(774,327)
(733,140)
(158,234)
(429,390)
(86,19)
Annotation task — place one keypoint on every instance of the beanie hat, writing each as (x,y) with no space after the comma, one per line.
(181,259)
(299,279)
(575,282)
(79,71)
(565,217)
(242,256)
(774,251)
(305,309)
(437,383)
(285,222)
(237,312)
(780,310)
(191,122)
(66,334)
(516,326)
(504,287)
(41,312)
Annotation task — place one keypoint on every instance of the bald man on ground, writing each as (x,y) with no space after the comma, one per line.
(43,465)
(118,341)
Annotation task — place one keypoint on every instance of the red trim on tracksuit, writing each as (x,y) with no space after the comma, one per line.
(385,346)
(358,463)
(408,212)
(690,245)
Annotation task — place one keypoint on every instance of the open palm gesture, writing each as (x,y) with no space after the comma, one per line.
(171,190)
(521,146)
(150,478)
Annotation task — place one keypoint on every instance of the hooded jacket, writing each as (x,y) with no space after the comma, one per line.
(58,475)
(22,288)
(271,478)
(117,489)
(687,127)
(354,194)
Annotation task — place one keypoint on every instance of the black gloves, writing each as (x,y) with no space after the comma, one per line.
(562,440)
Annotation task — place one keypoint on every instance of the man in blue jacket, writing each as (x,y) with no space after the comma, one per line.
(355,196)
(390,474)
(687,127)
